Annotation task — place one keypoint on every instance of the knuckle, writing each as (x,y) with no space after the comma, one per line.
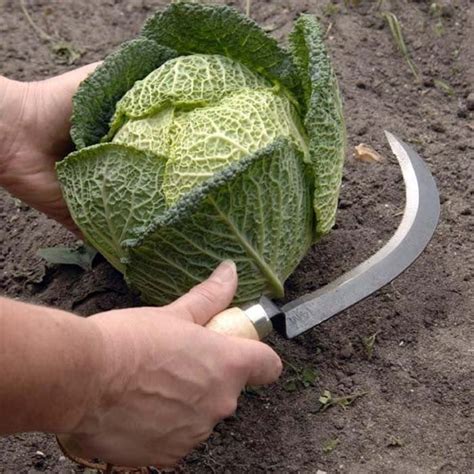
(207,292)
(235,362)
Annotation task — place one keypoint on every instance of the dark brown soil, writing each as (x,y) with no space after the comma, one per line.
(415,414)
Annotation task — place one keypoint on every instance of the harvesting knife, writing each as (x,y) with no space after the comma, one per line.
(418,224)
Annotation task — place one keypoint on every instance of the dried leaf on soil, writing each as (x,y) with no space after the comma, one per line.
(366,153)
(327,400)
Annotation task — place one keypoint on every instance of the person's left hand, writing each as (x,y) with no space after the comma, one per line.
(34,134)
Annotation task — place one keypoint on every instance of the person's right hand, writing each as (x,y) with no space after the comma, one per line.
(166,380)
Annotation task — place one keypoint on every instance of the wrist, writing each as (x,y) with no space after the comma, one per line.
(87,375)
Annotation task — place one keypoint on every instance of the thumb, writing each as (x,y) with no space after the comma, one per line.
(261,362)
(210,297)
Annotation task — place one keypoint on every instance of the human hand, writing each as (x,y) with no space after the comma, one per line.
(34,134)
(167,380)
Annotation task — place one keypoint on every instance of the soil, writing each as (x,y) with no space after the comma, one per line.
(414,412)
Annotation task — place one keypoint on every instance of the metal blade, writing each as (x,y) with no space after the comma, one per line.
(419,221)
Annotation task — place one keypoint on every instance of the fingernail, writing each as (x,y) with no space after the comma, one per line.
(225,272)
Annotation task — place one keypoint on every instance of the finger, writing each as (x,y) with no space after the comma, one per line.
(262,365)
(74,77)
(210,297)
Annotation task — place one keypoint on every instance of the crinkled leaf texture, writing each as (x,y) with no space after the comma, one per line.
(211,29)
(242,213)
(258,210)
(323,121)
(94,102)
(113,192)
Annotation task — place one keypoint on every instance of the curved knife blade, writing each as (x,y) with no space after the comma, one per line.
(418,224)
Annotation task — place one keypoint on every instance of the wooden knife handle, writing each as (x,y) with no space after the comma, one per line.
(250,323)
(233,322)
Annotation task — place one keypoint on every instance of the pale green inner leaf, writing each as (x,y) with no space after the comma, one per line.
(208,139)
(204,112)
(149,134)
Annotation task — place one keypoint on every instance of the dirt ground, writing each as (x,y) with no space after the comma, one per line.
(415,413)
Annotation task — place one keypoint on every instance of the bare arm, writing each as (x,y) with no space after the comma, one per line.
(50,361)
(46,356)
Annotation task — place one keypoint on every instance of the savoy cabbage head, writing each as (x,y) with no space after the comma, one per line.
(203,140)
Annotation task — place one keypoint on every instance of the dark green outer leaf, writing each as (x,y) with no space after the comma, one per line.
(324,121)
(257,212)
(94,102)
(113,192)
(212,29)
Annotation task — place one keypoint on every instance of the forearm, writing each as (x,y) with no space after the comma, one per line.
(50,361)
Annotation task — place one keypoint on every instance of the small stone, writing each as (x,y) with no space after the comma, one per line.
(345,204)
(338,424)
(346,351)
(462,111)
(467,211)
(438,127)
(470,102)
(447,468)
(446,8)
(428,82)
(360,84)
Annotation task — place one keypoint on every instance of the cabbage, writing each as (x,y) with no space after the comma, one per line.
(203,140)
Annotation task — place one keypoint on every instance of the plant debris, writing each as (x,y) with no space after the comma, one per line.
(366,153)
(368,343)
(330,445)
(82,256)
(327,400)
(63,51)
(303,378)
(396,30)
(395,442)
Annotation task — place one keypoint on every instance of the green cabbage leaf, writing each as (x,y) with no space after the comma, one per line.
(203,140)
